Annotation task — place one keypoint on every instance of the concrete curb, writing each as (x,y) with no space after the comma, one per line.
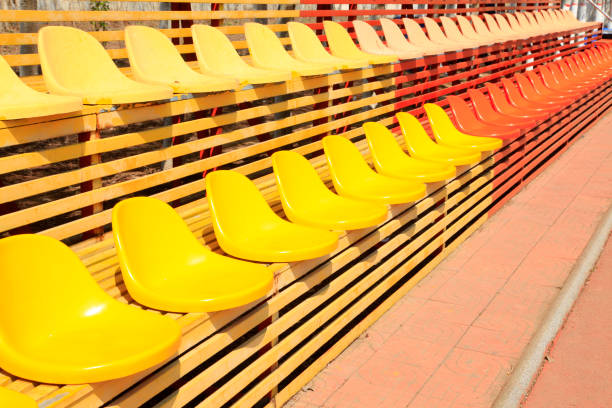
(531,360)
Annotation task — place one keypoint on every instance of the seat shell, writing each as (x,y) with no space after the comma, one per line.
(446,133)
(396,41)
(417,36)
(435,34)
(307,47)
(454,34)
(341,45)
(268,52)
(217,56)
(370,42)
(14,399)
(390,160)
(419,144)
(19,101)
(166,268)
(248,228)
(155,60)
(352,177)
(96,79)
(307,200)
(56,322)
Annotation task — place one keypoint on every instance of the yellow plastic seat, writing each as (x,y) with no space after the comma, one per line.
(58,326)
(436,35)
(494,28)
(307,200)
(155,60)
(446,133)
(341,45)
(397,42)
(417,36)
(352,177)
(19,101)
(268,52)
(452,33)
(246,227)
(307,47)
(370,42)
(75,63)
(217,56)
(419,144)
(470,33)
(165,267)
(389,158)
(14,399)
(481,29)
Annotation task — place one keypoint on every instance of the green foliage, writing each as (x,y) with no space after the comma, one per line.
(99,5)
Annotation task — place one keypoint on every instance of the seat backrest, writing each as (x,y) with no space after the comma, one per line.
(214,50)
(42,282)
(512,92)
(466,27)
(9,81)
(480,26)
(492,24)
(414,134)
(152,54)
(462,112)
(497,96)
(304,42)
(514,24)
(503,24)
(393,34)
(482,105)
(525,86)
(451,29)
(434,31)
(368,38)
(346,163)
(61,51)
(523,21)
(339,40)
(383,145)
(231,215)
(297,179)
(531,18)
(415,33)
(149,233)
(265,47)
(439,121)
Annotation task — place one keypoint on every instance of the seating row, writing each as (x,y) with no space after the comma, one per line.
(160,71)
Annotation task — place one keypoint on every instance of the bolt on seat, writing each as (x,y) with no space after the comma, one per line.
(396,41)
(217,56)
(155,60)
(14,399)
(307,200)
(268,52)
(341,45)
(467,122)
(420,145)
(165,267)
(417,36)
(56,322)
(307,47)
(19,101)
(447,134)
(74,63)
(247,228)
(370,42)
(390,160)
(352,177)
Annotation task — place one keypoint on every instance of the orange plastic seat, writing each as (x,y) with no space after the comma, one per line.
(419,144)
(485,112)
(18,101)
(370,42)
(396,41)
(155,60)
(307,47)
(341,45)
(268,52)
(447,134)
(516,99)
(501,104)
(352,177)
(248,228)
(217,56)
(390,160)
(96,79)
(14,399)
(165,267)
(307,200)
(56,322)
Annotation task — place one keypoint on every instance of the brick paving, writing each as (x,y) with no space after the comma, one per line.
(453,340)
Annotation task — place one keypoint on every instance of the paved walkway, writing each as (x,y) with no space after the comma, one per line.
(578,368)
(454,339)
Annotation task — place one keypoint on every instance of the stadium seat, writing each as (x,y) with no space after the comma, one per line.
(454,34)
(470,33)
(501,104)
(436,35)
(482,30)
(396,41)
(370,42)
(485,112)
(14,399)
(494,28)
(341,45)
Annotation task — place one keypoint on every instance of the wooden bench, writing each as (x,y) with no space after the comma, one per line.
(61,175)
